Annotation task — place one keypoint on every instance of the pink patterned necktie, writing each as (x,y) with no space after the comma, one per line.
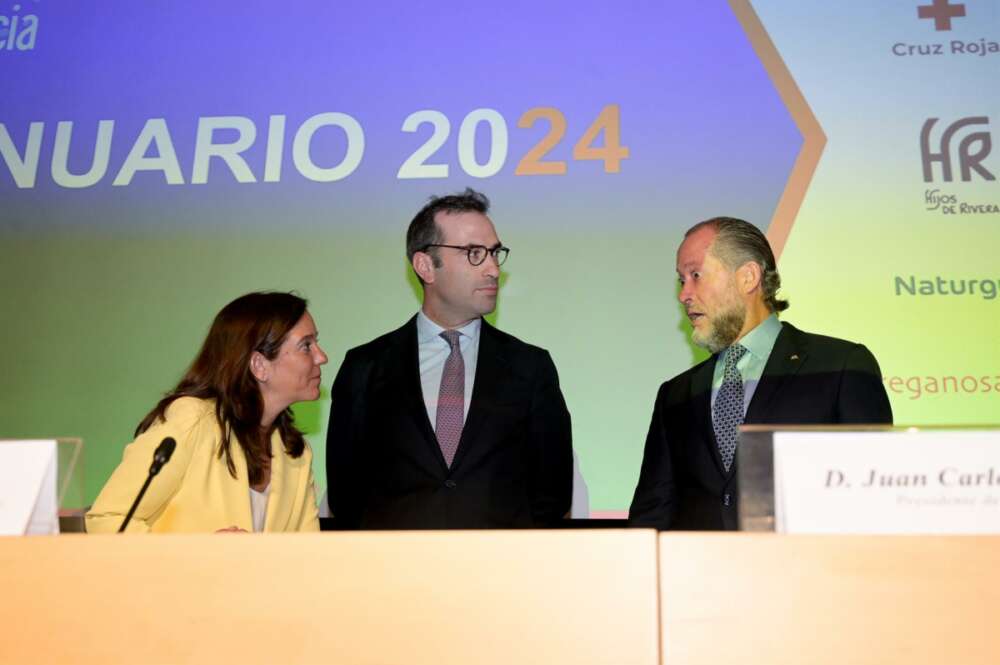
(451,399)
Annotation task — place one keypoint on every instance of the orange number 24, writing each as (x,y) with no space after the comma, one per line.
(611,153)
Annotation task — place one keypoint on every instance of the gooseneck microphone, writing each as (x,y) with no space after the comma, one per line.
(160,457)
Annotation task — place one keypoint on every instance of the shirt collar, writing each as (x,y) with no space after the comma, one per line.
(427,330)
(759,341)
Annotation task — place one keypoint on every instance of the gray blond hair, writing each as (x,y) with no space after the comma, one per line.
(738,242)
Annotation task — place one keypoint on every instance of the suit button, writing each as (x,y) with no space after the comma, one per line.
(450,484)
(726,499)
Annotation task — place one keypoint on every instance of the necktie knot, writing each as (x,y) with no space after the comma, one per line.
(736,352)
(451,336)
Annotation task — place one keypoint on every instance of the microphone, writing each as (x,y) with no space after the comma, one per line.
(160,457)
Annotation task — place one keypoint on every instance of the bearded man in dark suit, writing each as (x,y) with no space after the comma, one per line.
(448,422)
(761,371)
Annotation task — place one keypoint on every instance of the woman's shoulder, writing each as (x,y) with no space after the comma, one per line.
(190,411)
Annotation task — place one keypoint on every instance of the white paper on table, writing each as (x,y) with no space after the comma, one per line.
(28,497)
(887,482)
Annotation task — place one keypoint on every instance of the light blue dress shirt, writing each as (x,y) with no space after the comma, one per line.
(758,343)
(434,350)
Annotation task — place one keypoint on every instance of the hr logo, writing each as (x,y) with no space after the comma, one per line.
(973,148)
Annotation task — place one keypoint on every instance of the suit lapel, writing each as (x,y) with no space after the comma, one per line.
(701,392)
(787,357)
(406,362)
(489,368)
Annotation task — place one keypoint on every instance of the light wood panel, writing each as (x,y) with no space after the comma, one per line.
(776,600)
(507,597)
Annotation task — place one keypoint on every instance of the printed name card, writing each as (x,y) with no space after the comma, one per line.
(887,482)
(28,497)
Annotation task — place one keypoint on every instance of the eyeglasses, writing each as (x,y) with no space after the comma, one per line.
(477,253)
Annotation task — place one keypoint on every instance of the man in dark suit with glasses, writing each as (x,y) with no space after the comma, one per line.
(448,422)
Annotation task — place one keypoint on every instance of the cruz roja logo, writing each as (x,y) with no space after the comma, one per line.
(942,12)
(18,31)
(973,148)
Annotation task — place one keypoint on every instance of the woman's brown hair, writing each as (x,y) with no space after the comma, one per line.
(221,371)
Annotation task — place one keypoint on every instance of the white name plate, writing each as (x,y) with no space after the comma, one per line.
(28,501)
(887,482)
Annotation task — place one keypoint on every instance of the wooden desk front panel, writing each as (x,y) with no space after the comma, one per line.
(506,597)
(777,600)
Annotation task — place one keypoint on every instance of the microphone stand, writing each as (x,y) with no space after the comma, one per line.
(160,457)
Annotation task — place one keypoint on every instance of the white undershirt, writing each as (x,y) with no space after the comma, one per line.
(258,507)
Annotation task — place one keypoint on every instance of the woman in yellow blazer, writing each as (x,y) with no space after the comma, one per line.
(240,463)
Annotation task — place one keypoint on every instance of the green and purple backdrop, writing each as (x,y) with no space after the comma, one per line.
(158,159)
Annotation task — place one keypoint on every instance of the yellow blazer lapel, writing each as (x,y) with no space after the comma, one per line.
(279,502)
(238,491)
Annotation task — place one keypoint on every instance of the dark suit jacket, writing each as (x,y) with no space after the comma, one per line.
(808,379)
(514,463)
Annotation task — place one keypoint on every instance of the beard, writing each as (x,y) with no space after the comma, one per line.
(723,328)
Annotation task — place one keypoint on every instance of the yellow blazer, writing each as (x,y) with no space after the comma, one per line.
(194,492)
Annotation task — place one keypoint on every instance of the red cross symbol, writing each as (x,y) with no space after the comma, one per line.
(942,12)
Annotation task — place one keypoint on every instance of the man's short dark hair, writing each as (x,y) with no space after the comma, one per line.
(738,242)
(423,231)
